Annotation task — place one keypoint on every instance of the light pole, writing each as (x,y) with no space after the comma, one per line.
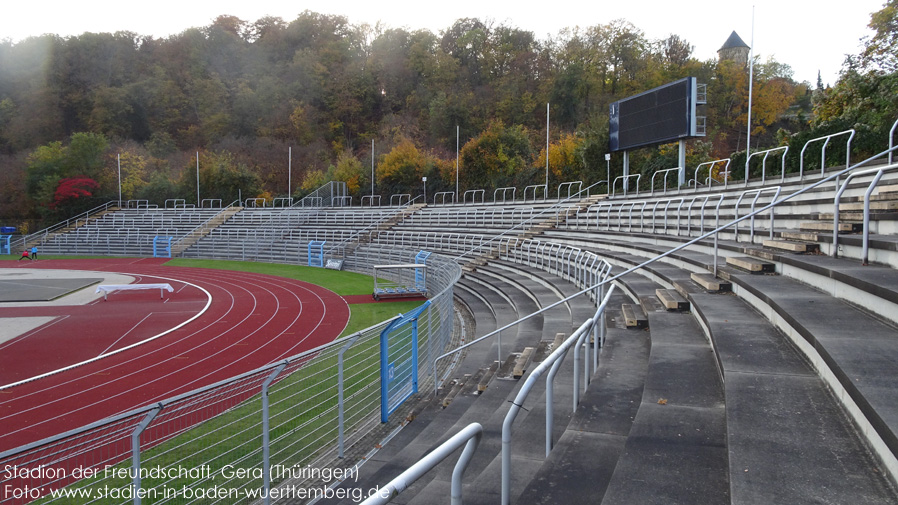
(546,189)
(120,181)
(456,163)
(424,180)
(751,71)
(608,176)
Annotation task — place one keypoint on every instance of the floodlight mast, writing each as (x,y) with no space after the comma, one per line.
(751,71)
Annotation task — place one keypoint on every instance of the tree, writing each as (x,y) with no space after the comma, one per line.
(72,192)
(401,168)
(565,162)
(881,50)
(221,177)
(495,157)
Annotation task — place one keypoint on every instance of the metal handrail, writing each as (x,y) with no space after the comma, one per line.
(569,185)
(553,361)
(624,185)
(469,436)
(519,225)
(504,192)
(710,169)
(757,193)
(666,172)
(837,200)
(371,227)
(823,152)
(785,150)
(498,331)
(534,187)
(72,221)
(474,193)
(399,196)
(340,201)
(370,199)
(892,141)
(442,195)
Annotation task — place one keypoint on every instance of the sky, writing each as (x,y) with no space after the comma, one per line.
(808,36)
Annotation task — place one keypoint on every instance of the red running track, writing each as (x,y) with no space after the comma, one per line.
(253,320)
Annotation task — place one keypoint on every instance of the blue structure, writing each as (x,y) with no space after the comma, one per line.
(399,361)
(421,259)
(162,246)
(316,253)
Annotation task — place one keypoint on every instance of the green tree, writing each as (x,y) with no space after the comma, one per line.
(495,157)
(221,177)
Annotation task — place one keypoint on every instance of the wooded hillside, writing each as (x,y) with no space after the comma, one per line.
(242,92)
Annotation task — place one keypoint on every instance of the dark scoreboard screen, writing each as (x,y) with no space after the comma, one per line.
(657,116)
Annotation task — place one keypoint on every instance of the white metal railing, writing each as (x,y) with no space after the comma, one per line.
(468,437)
(22,241)
(570,186)
(825,140)
(892,142)
(666,172)
(504,192)
(396,200)
(784,149)
(625,182)
(550,364)
(532,189)
(877,173)
(474,193)
(757,192)
(710,178)
(442,196)
(370,199)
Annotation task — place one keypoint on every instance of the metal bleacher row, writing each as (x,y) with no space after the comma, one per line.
(773,381)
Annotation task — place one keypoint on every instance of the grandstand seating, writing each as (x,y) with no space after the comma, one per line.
(740,388)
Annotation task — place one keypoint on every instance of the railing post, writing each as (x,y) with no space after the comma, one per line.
(266,436)
(135,450)
(340,420)
(867,195)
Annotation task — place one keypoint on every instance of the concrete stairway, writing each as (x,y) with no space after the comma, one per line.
(193,237)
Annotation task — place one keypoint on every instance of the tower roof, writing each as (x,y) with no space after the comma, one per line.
(733,42)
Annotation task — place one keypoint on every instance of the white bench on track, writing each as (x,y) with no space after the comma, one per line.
(106,288)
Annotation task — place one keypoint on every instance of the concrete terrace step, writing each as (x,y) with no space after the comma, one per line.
(787,437)
(676,450)
(860,350)
(584,458)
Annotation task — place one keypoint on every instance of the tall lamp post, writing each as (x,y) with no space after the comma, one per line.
(424,180)
(120,181)
(456,163)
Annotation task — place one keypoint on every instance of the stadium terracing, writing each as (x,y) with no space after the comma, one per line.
(732,340)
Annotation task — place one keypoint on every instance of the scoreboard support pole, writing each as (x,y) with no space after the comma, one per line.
(626,170)
(681,159)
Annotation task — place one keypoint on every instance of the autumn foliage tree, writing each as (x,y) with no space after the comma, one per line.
(73,194)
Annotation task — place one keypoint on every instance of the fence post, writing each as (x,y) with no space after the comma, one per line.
(340,427)
(266,439)
(135,450)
